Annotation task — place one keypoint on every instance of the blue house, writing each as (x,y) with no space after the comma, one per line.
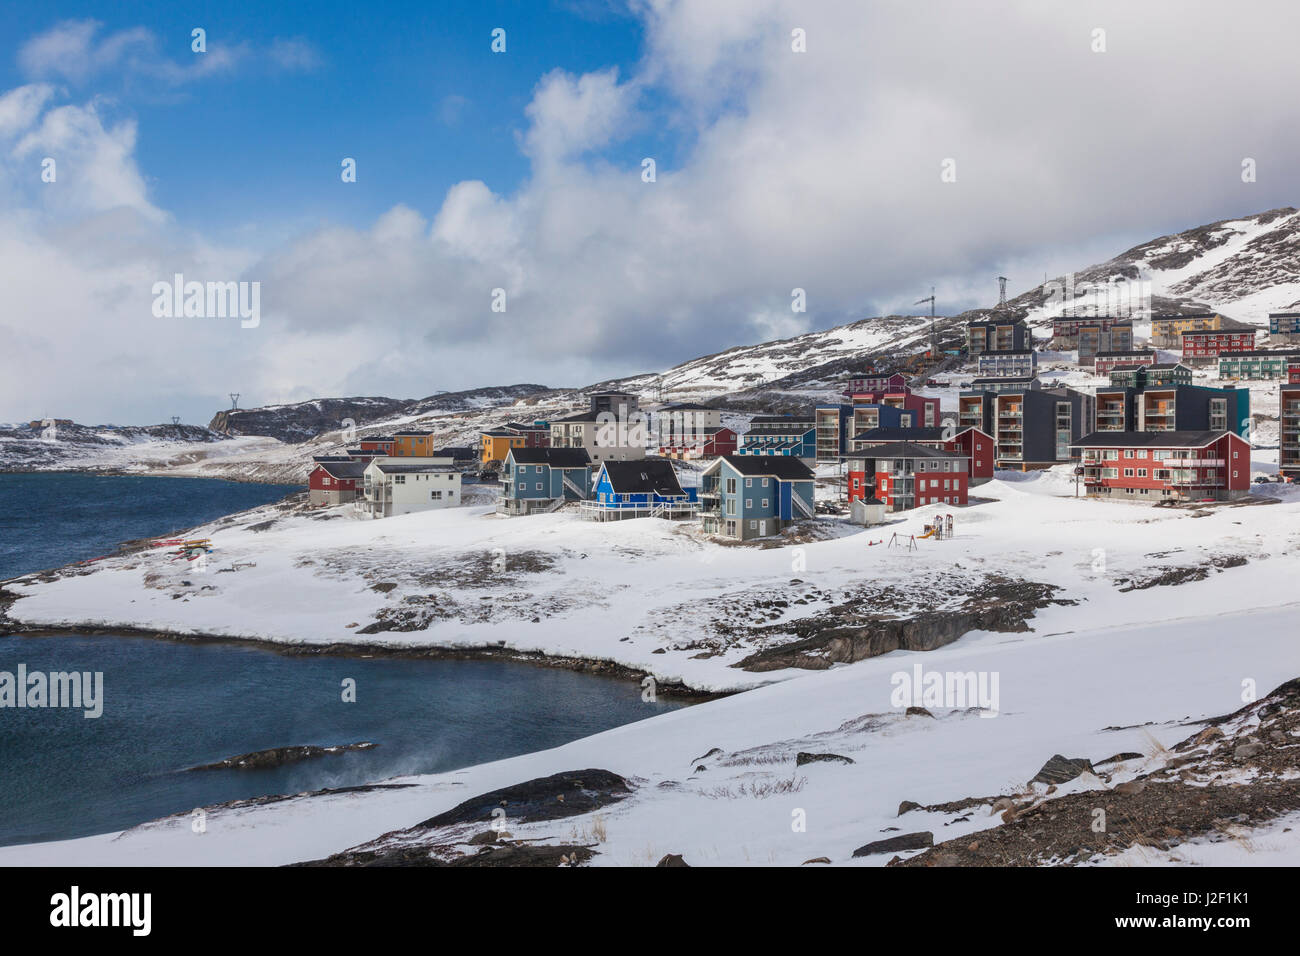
(753,496)
(640,489)
(543,479)
(792,436)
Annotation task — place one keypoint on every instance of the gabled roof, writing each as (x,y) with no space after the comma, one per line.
(320,458)
(455,452)
(365,438)
(1005,380)
(886,434)
(1167,365)
(1175,439)
(528,426)
(1133,351)
(555,457)
(781,467)
(343,469)
(645,477)
(904,449)
(411,434)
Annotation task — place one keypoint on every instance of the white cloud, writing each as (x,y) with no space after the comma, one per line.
(819,170)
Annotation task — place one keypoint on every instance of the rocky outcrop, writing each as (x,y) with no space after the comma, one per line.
(279,756)
(546,798)
(897,844)
(999,605)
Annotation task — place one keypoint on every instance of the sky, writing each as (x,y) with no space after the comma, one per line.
(502,226)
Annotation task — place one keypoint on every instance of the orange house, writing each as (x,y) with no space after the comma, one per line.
(498,442)
(412,445)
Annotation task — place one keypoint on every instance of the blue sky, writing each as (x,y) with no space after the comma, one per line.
(412,91)
(816,169)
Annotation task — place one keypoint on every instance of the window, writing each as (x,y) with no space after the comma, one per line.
(400,479)
(539,486)
(749,482)
(1128,452)
(1128,472)
(435,495)
(731,486)
(1142,472)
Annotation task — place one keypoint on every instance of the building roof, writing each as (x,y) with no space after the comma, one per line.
(801,419)
(1114,352)
(555,457)
(984,355)
(320,458)
(528,426)
(647,476)
(688,407)
(1184,315)
(1252,353)
(887,434)
(455,452)
(1130,368)
(1227,325)
(395,466)
(1172,439)
(1009,320)
(1170,366)
(587,416)
(412,434)
(1004,380)
(904,449)
(366,438)
(343,469)
(781,467)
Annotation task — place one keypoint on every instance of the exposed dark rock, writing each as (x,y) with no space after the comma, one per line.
(904,841)
(279,756)
(1062,769)
(907,805)
(672,859)
(802,757)
(917,712)
(546,798)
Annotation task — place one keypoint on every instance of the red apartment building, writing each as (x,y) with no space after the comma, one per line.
(1165,466)
(705,443)
(925,411)
(906,475)
(1202,346)
(975,444)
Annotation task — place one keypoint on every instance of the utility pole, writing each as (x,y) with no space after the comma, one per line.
(234,401)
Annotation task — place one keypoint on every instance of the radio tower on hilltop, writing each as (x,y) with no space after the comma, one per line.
(234,401)
(1002,292)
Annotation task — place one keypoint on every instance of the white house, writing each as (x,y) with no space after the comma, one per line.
(399,486)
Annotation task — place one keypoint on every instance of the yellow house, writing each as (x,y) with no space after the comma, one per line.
(498,442)
(1167,330)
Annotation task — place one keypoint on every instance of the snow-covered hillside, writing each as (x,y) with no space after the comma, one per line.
(1158,620)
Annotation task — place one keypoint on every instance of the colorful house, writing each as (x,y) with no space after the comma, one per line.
(1106,362)
(1031,427)
(495,443)
(1167,328)
(1012,363)
(382,444)
(1069,330)
(975,444)
(1165,466)
(1257,364)
(694,445)
(905,475)
(1204,346)
(412,444)
(752,496)
(335,480)
(543,479)
(873,381)
(1284,327)
(639,489)
(788,436)
(1158,373)
(925,411)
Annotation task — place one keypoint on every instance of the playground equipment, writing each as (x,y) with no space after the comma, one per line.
(939,529)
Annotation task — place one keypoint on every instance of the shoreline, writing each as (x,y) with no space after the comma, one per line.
(593,666)
(108,472)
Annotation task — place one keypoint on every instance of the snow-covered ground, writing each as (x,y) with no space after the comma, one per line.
(1172,610)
